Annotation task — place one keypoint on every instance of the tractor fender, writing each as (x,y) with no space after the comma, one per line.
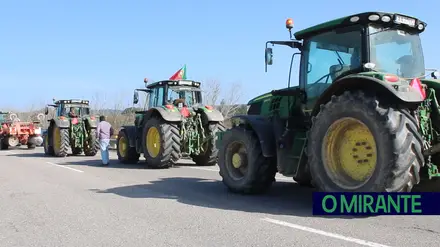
(406,94)
(130,131)
(92,123)
(262,127)
(213,115)
(170,116)
(61,123)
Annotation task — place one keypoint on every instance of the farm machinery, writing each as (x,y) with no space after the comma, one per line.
(364,117)
(14,132)
(72,127)
(173,124)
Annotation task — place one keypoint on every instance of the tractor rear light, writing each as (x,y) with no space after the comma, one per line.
(417,85)
(209,107)
(169,106)
(391,78)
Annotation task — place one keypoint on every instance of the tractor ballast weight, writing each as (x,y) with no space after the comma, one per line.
(357,121)
(169,129)
(74,130)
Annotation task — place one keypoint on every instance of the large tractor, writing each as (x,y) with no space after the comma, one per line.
(72,128)
(173,125)
(364,116)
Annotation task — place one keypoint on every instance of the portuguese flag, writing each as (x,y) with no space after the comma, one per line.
(180,74)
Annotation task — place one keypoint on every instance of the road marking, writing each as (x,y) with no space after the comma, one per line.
(217,170)
(324,233)
(70,168)
(7,151)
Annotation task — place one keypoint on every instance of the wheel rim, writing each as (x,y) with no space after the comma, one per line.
(349,153)
(46,142)
(122,146)
(237,163)
(56,140)
(153,142)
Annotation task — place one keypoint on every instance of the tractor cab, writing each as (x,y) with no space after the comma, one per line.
(70,108)
(170,93)
(382,46)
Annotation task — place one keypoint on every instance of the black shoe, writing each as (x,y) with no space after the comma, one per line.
(105,164)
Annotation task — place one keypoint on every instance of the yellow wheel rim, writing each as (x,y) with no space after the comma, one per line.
(122,146)
(56,139)
(153,142)
(46,141)
(349,153)
(236,160)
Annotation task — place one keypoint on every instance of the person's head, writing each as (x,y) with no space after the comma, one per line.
(101,118)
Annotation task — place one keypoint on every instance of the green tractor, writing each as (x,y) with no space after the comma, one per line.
(173,124)
(72,128)
(363,118)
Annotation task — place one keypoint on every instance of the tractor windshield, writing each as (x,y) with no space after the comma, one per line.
(186,95)
(397,52)
(75,111)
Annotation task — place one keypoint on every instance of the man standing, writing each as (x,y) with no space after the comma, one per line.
(104,132)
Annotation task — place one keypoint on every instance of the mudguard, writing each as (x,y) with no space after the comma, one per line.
(262,126)
(93,123)
(213,115)
(62,123)
(168,115)
(131,134)
(362,82)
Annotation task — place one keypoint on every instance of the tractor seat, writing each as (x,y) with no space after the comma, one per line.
(337,69)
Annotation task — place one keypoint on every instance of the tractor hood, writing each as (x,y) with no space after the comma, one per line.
(268,95)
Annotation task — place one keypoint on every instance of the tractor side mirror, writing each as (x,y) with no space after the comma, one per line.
(135,97)
(269,56)
(46,110)
(435,74)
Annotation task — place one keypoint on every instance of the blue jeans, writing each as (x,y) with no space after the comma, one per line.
(104,143)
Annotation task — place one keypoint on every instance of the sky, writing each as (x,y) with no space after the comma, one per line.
(102,49)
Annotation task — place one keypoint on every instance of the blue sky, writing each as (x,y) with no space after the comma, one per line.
(81,48)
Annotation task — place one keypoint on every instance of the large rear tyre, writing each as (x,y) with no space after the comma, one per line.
(126,154)
(91,146)
(210,155)
(60,141)
(48,149)
(161,143)
(243,167)
(356,144)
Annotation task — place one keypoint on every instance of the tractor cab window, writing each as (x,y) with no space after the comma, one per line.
(329,56)
(156,96)
(181,96)
(397,52)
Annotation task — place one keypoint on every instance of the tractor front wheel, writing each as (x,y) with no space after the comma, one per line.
(91,146)
(126,154)
(242,165)
(60,141)
(209,156)
(161,143)
(356,144)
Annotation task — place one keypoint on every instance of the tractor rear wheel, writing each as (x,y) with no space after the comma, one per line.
(48,150)
(356,144)
(210,155)
(3,144)
(60,141)
(91,146)
(31,146)
(242,165)
(126,154)
(161,143)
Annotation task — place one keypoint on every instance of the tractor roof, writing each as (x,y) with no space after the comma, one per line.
(174,83)
(72,101)
(383,18)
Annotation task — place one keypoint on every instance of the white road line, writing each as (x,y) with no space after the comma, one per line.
(324,233)
(7,151)
(70,168)
(217,170)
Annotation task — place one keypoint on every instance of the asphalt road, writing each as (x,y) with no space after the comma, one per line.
(71,201)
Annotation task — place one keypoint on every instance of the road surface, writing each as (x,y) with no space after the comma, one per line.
(71,201)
